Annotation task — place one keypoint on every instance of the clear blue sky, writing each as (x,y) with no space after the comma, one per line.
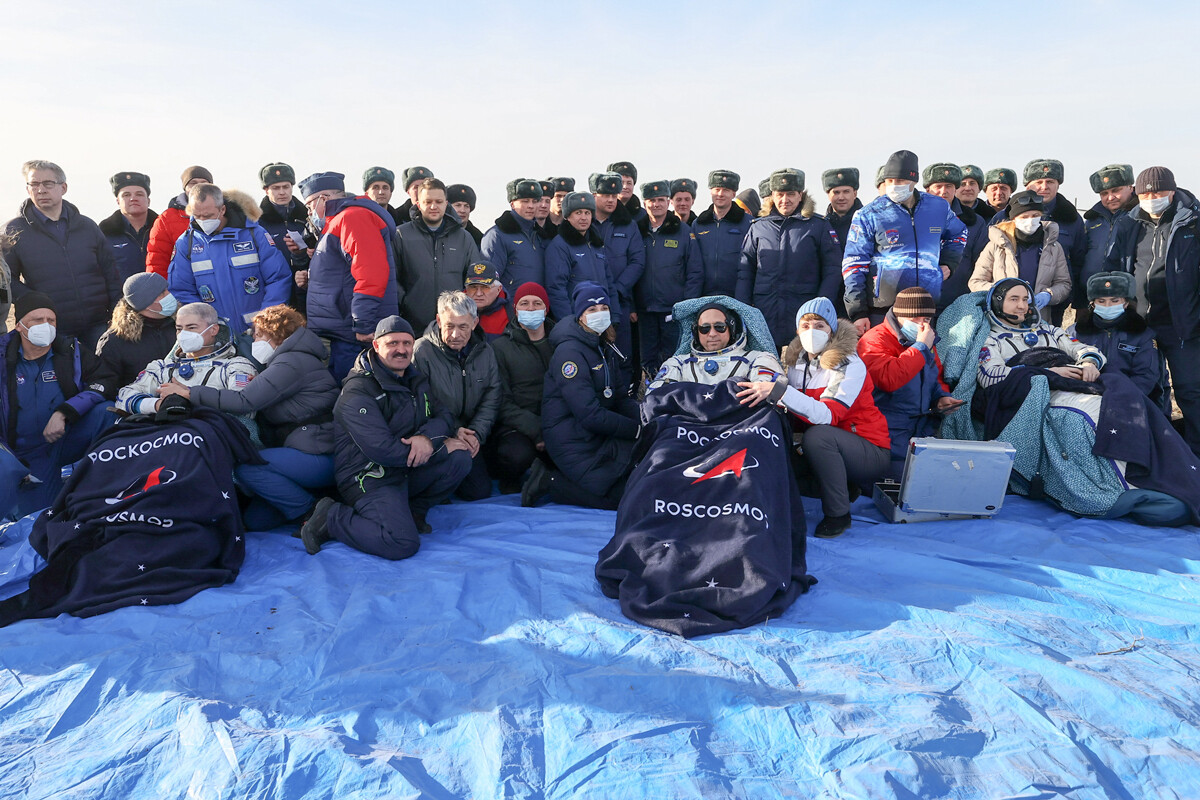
(483,92)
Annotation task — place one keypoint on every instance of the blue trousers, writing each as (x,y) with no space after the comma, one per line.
(283,484)
(659,339)
(46,461)
(342,356)
(381,520)
(1183,359)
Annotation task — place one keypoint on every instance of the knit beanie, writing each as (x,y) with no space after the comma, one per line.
(914,302)
(823,308)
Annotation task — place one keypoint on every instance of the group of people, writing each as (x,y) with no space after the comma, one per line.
(386,358)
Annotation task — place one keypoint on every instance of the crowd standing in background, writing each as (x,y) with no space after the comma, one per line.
(385,357)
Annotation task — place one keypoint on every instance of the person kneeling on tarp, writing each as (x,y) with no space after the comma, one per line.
(395,455)
(730,341)
(589,421)
(48,412)
(902,360)
(828,392)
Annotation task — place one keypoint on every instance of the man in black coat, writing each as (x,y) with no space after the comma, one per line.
(395,456)
(52,248)
(128,229)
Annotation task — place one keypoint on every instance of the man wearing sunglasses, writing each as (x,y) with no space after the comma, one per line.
(722,345)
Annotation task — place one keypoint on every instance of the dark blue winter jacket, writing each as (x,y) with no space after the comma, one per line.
(1182,268)
(977,238)
(515,248)
(577,416)
(352,276)
(673,270)
(78,274)
(573,257)
(70,366)
(785,262)
(128,246)
(624,251)
(277,225)
(1100,224)
(375,411)
(720,245)
(1128,347)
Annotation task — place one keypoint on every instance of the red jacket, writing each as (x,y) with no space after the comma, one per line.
(170,225)
(891,364)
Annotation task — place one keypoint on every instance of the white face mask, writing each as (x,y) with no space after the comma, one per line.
(41,335)
(262,351)
(814,340)
(209,226)
(899,193)
(597,321)
(1028,225)
(1155,205)
(191,341)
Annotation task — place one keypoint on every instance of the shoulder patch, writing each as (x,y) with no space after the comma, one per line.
(662,373)
(570,369)
(984,354)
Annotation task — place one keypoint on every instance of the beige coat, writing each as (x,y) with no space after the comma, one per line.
(999,260)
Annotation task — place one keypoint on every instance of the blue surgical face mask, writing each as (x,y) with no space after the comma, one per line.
(910,331)
(1108,312)
(169,305)
(531,319)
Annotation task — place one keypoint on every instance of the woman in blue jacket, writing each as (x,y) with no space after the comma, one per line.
(589,421)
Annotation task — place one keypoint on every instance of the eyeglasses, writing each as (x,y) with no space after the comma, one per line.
(43,184)
(719,327)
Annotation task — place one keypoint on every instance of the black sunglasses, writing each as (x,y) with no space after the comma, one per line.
(720,327)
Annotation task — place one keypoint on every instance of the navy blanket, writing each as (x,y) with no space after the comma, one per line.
(1133,429)
(710,534)
(996,405)
(149,517)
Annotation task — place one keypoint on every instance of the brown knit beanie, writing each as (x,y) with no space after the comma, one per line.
(914,302)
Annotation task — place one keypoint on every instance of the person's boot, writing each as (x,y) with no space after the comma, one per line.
(536,485)
(315,530)
(419,521)
(831,527)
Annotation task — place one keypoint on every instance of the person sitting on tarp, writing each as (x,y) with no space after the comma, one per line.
(292,402)
(902,360)
(204,355)
(49,413)
(729,341)
(828,392)
(589,421)
(1110,323)
(395,453)
(142,329)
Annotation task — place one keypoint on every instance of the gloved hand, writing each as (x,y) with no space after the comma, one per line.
(1041,300)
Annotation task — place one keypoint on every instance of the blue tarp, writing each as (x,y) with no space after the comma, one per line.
(935,660)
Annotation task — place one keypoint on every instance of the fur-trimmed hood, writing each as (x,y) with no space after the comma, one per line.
(734,215)
(576,239)
(244,202)
(842,344)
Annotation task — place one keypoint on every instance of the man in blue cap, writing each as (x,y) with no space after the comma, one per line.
(395,456)
(353,267)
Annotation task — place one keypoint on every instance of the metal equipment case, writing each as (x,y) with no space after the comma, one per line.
(947,479)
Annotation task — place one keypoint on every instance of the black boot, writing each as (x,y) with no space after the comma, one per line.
(831,527)
(315,532)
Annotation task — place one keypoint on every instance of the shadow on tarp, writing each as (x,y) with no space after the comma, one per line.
(932,660)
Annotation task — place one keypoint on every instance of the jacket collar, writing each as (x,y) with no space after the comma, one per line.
(509,223)
(1064,211)
(117,224)
(855,206)
(576,239)
(735,215)
(1129,322)
(670,226)
(295,211)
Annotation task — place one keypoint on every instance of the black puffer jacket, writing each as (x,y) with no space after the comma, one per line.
(130,343)
(469,389)
(523,364)
(376,410)
(293,396)
(78,274)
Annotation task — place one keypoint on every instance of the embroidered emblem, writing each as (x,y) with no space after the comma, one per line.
(570,369)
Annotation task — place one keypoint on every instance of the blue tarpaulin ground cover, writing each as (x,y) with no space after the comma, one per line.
(934,660)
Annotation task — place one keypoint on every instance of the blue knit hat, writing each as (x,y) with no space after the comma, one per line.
(586,295)
(822,308)
(320,181)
